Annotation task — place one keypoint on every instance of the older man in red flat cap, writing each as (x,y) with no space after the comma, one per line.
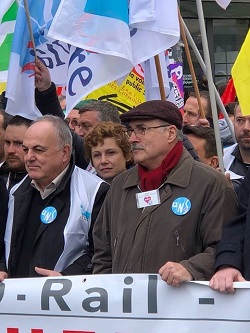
(165,214)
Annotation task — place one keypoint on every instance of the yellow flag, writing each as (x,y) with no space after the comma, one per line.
(241,76)
(2,87)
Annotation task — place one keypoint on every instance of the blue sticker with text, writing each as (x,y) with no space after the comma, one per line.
(48,215)
(181,206)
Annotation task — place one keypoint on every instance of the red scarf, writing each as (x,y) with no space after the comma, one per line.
(151,180)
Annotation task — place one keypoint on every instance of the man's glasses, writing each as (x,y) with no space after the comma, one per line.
(140,130)
(72,122)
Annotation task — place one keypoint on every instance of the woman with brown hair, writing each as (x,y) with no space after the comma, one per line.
(108,149)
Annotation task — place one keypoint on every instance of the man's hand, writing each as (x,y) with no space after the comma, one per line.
(3,275)
(223,280)
(228,177)
(42,76)
(174,274)
(46,272)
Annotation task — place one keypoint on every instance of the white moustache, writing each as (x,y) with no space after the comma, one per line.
(136,146)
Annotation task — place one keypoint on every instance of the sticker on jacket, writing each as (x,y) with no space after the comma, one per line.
(149,198)
(48,215)
(181,206)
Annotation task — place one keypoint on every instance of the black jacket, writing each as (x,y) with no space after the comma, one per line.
(48,242)
(10,178)
(234,247)
(3,213)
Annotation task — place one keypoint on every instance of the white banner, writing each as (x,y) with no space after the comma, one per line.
(137,303)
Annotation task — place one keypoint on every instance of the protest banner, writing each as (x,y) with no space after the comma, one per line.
(122,303)
(126,95)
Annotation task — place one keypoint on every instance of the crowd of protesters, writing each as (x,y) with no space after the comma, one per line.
(140,192)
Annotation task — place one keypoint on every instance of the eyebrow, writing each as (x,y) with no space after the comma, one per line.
(34,147)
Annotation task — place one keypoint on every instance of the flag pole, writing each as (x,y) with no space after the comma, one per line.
(30,28)
(159,76)
(203,66)
(210,82)
(190,64)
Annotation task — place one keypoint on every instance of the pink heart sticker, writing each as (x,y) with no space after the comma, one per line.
(147,199)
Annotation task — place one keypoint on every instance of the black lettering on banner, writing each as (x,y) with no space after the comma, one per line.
(127,295)
(79,71)
(57,294)
(102,299)
(152,294)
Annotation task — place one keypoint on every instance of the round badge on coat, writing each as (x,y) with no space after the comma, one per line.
(181,206)
(48,215)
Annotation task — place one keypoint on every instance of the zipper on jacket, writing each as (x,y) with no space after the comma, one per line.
(177,236)
(115,241)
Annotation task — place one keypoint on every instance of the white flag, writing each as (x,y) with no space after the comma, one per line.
(106,43)
(155,27)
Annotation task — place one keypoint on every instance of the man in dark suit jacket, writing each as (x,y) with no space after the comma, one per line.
(233,251)
(52,211)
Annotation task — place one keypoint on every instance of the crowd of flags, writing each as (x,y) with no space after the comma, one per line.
(86,44)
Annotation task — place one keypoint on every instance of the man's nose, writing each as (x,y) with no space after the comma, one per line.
(184,117)
(247,126)
(29,155)
(11,149)
(133,138)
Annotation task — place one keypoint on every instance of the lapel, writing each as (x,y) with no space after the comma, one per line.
(58,198)
(22,200)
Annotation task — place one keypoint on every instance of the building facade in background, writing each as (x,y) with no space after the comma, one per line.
(226,31)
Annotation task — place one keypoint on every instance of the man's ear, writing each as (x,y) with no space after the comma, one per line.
(172,133)
(66,153)
(214,162)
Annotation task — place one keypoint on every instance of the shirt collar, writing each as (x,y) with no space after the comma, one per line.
(49,189)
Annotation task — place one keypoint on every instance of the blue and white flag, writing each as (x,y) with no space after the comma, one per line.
(21,83)
(106,45)
(99,35)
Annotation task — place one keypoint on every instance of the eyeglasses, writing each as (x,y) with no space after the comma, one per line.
(140,130)
(73,122)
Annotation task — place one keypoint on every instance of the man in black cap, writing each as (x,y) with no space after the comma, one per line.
(165,214)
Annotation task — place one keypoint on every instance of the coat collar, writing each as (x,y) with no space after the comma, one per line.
(179,176)
(25,187)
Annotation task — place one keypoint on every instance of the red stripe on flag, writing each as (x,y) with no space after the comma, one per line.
(16,330)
